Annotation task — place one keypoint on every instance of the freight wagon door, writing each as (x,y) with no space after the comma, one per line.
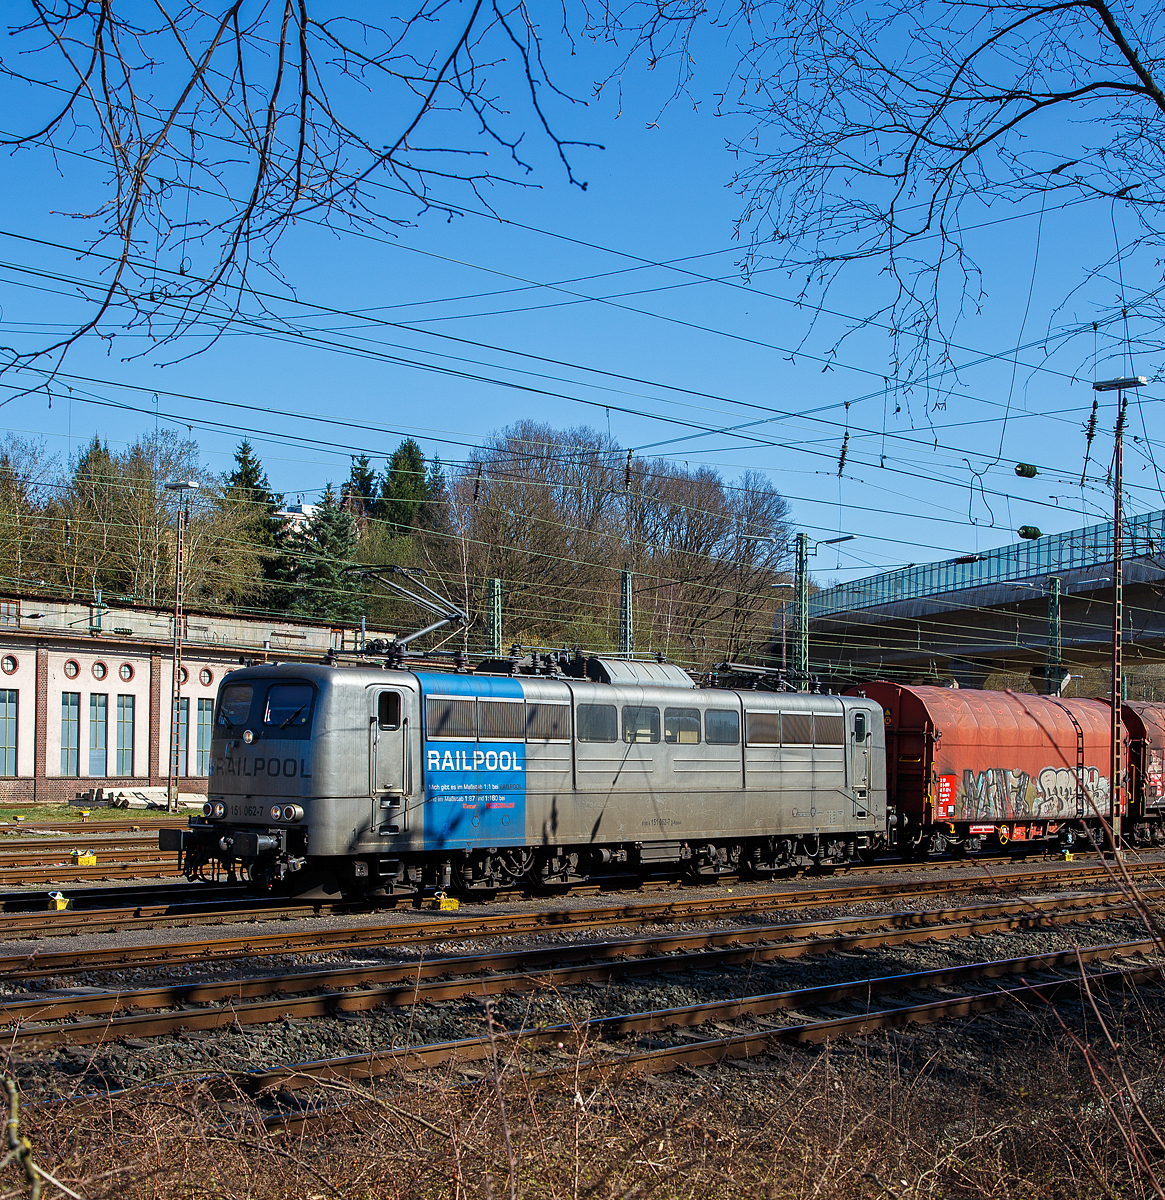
(390,768)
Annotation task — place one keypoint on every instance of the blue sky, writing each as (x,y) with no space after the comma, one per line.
(560,307)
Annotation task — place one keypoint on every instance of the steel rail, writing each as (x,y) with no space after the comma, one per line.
(572,1038)
(414,931)
(59,855)
(407,983)
(65,873)
(147,822)
(19,908)
(84,835)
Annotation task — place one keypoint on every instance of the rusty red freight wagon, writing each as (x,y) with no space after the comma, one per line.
(964,767)
(1144,722)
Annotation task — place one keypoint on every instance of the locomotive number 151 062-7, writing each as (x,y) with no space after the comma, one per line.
(247,810)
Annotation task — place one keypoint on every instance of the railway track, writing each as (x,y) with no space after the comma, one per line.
(606,1045)
(208,1006)
(416,930)
(121,866)
(140,822)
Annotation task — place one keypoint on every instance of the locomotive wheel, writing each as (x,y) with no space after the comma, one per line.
(480,874)
(557,871)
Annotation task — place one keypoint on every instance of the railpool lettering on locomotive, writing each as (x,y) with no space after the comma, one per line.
(400,780)
(287,768)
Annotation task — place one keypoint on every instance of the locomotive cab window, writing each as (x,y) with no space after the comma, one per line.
(860,726)
(640,723)
(287,710)
(234,705)
(681,726)
(597,723)
(388,710)
(722,727)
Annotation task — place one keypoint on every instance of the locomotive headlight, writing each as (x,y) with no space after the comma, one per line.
(207,810)
(276,812)
(218,809)
(292,812)
(248,736)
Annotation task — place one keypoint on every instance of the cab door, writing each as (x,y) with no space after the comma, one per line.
(390,763)
(861,735)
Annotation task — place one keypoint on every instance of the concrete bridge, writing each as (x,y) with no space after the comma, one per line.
(980,613)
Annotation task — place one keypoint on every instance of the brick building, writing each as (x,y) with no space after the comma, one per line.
(85,691)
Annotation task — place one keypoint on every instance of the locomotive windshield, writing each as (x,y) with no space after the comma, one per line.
(287,711)
(234,705)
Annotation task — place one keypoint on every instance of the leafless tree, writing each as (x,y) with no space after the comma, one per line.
(197,134)
(558,514)
(879,131)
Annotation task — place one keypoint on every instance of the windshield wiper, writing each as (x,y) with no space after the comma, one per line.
(295,714)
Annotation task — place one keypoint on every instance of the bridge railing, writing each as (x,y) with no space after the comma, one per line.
(1058,552)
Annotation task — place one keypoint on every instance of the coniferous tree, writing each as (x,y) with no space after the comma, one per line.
(247,484)
(404,488)
(358,495)
(318,558)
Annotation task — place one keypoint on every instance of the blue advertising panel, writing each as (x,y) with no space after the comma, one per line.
(475,792)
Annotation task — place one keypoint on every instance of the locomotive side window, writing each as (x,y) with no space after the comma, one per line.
(797,729)
(287,710)
(547,722)
(388,710)
(860,726)
(722,727)
(234,706)
(763,728)
(681,726)
(829,730)
(450,719)
(597,723)
(502,720)
(640,723)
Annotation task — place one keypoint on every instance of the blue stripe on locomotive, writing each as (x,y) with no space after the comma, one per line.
(475,793)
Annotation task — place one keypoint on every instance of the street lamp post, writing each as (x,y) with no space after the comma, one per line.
(1116,762)
(182,490)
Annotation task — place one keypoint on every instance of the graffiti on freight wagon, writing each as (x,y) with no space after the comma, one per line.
(999,794)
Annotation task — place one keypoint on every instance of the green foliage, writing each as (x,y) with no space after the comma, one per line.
(404,490)
(247,486)
(318,557)
(358,495)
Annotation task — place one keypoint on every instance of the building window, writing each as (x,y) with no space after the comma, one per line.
(125,735)
(125,671)
(182,721)
(8,731)
(9,612)
(183,675)
(98,733)
(203,734)
(206,677)
(8,664)
(70,733)
(71,668)
(100,670)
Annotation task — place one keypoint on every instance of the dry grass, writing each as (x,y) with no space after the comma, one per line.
(1014,1107)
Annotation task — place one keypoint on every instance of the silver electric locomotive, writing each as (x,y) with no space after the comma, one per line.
(369,779)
